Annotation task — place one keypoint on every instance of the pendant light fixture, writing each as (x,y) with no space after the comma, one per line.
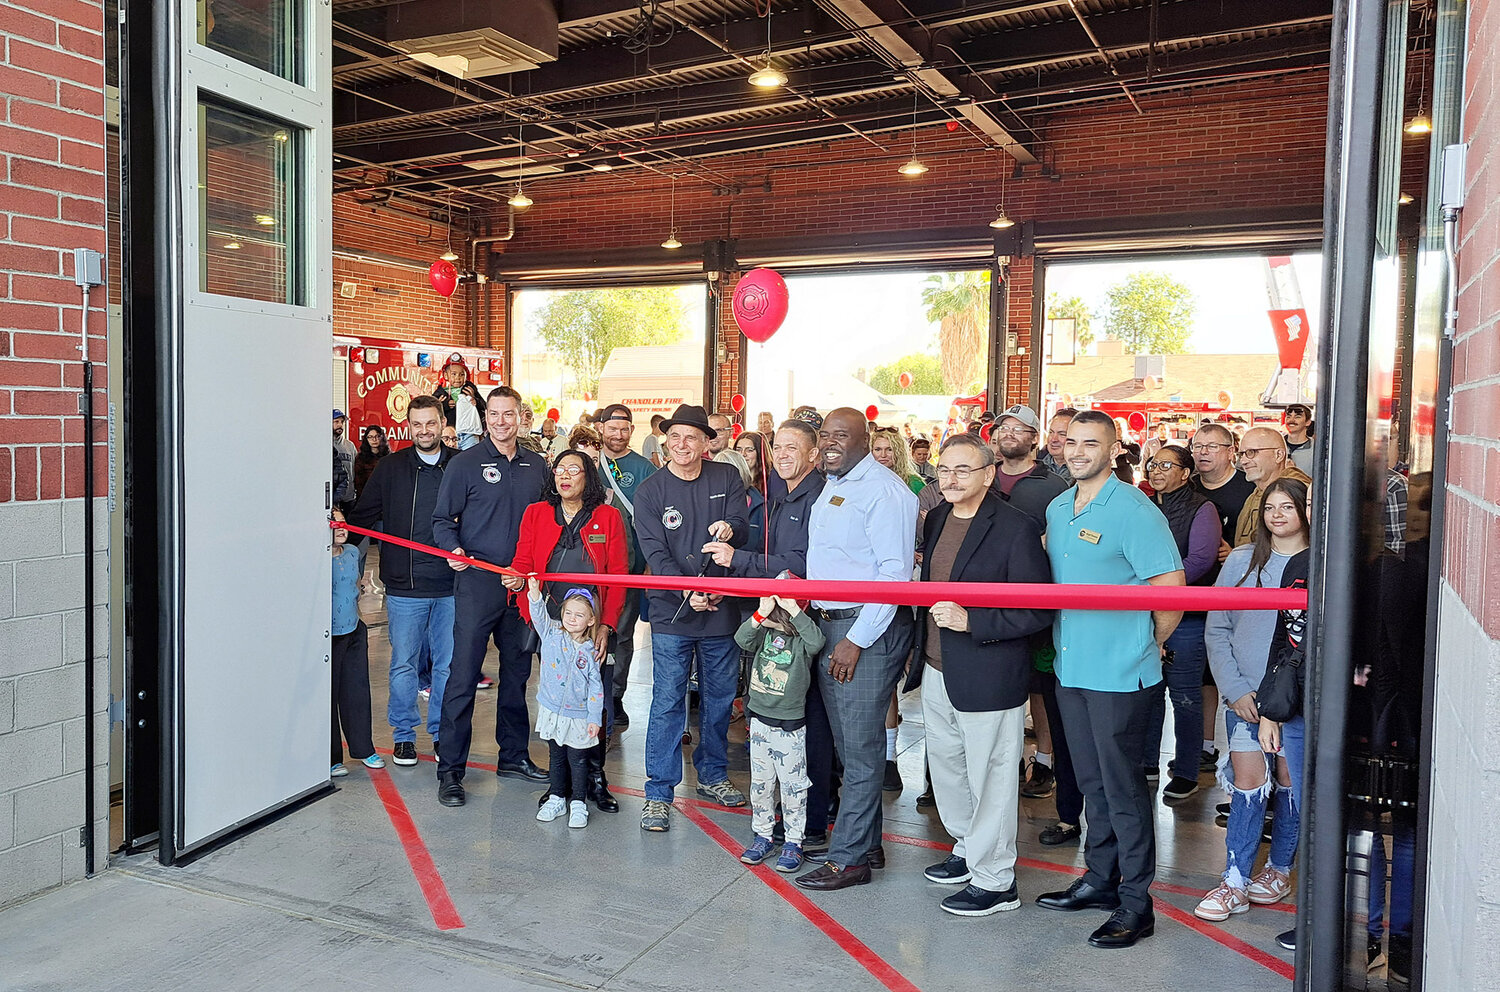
(520,200)
(1002,220)
(672,242)
(768,76)
(450,255)
(913,166)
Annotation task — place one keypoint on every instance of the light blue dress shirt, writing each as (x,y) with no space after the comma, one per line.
(860,529)
(1120,538)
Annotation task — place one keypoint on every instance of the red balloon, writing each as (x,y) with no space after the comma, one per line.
(760,304)
(905,379)
(872,411)
(737,402)
(588,397)
(443,276)
(737,430)
(1137,421)
(554,414)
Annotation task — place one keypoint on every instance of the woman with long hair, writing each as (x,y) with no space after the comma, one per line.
(751,446)
(890,450)
(372,448)
(1239,643)
(573,530)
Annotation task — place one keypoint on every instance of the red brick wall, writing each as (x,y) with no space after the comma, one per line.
(1252,145)
(1472,542)
(52,194)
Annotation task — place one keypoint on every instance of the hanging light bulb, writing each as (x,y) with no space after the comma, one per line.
(672,242)
(768,76)
(914,166)
(449,256)
(601,167)
(1002,221)
(1420,124)
(233,245)
(520,200)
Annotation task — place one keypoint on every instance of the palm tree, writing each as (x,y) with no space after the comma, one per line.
(959,303)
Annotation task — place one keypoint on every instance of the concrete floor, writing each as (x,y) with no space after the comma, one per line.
(327,898)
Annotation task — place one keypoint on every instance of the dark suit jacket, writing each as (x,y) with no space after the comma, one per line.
(988,666)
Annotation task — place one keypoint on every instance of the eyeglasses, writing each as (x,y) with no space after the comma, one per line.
(571,471)
(1253,451)
(960,472)
(1209,447)
(1157,463)
(1014,431)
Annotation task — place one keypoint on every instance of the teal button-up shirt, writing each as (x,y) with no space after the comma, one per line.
(1119,538)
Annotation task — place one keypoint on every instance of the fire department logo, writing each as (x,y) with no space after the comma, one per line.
(672,518)
(491,474)
(396,402)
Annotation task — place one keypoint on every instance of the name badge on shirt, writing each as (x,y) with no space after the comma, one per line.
(835,501)
(1091,536)
(596,538)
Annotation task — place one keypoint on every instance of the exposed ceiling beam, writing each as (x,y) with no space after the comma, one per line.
(910,48)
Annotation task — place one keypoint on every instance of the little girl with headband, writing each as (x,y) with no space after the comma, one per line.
(569,697)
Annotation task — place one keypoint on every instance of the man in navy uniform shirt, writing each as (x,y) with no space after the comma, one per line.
(484,492)
(689,502)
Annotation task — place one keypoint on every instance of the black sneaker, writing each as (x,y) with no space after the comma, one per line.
(404,753)
(1222,809)
(1374,954)
(815,843)
(1179,789)
(1153,773)
(927,800)
(1041,784)
(622,719)
(1398,961)
(1208,761)
(892,781)
(952,870)
(974,901)
(1287,940)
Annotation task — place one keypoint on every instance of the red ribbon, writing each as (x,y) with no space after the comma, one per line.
(1037,596)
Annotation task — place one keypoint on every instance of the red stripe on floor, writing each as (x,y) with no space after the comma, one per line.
(444,913)
(1283,968)
(847,942)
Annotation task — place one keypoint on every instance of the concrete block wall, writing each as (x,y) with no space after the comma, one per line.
(1463,896)
(42,704)
(52,200)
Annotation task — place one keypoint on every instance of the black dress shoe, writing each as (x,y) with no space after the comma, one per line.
(525,768)
(831,876)
(815,843)
(1124,928)
(927,800)
(622,719)
(892,782)
(1079,895)
(451,789)
(1061,833)
(600,796)
(876,857)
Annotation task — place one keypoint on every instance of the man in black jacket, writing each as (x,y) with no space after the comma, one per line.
(399,498)
(976,665)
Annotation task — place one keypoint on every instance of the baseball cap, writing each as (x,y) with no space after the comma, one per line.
(339,414)
(1024,414)
(615,411)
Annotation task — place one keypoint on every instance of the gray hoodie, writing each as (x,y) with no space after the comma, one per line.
(1239,641)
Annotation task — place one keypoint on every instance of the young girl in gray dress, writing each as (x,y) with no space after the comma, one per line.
(569,698)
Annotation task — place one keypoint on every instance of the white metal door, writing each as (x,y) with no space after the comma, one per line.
(255,448)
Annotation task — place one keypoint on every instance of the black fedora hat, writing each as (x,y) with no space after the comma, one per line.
(688,415)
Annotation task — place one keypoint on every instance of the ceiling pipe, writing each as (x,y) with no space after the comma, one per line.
(474,243)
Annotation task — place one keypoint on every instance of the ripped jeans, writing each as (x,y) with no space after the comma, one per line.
(1247,810)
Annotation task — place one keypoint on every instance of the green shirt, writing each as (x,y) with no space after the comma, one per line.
(1120,538)
(782,670)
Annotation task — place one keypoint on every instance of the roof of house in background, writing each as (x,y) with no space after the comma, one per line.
(1188,379)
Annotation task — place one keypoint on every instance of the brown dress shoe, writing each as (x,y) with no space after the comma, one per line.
(831,876)
(876,858)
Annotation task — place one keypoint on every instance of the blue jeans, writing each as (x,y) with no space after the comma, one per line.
(1403,868)
(1247,813)
(718,677)
(1183,682)
(1294,750)
(416,624)
(467,441)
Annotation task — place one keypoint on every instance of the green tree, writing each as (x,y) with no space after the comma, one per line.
(926,374)
(584,326)
(959,303)
(1152,313)
(1074,307)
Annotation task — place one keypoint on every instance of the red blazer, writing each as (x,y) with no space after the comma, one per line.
(539,533)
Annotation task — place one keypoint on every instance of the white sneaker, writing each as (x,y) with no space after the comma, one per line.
(579,817)
(554,807)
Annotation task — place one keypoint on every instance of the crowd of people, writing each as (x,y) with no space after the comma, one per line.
(825,497)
